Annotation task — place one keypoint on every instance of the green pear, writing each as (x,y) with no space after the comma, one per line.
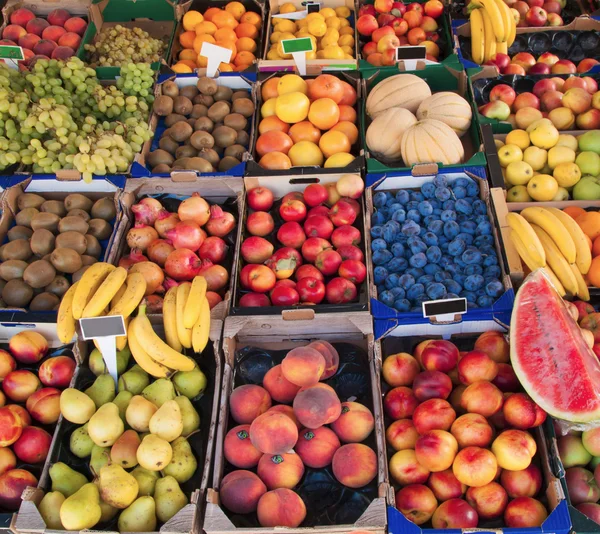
(169,498)
(183,465)
(134,380)
(167,422)
(81,510)
(98,367)
(102,390)
(65,479)
(139,517)
(159,392)
(106,426)
(154,453)
(49,509)
(190,383)
(80,442)
(76,406)
(117,487)
(189,415)
(146,480)
(123,451)
(122,400)
(99,458)
(139,412)
(108,511)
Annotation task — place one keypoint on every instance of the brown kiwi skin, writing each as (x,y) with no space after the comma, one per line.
(163,106)
(45,220)
(202,140)
(235,151)
(173,118)
(223,93)
(161,169)
(181,131)
(199,164)
(227,163)
(17,293)
(78,274)
(168,144)
(236,121)
(199,110)
(12,269)
(19,249)
(19,232)
(58,286)
(45,301)
(104,208)
(77,200)
(100,229)
(73,224)
(210,155)
(54,206)
(25,216)
(79,213)
(218,111)
(30,200)
(242,138)
(207,86)
(72,240)
(239,94)
(243,106)
(42,242)
(160,156)
(186,151)
(182,105)
(189,91)
(224,136)
(204,124)
(205,100)
(66,260)
(170,88)
(94,248)
(39,274)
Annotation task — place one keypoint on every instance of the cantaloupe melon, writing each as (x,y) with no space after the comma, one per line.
(400,91)
(431,141)
(449,108)
(384,134)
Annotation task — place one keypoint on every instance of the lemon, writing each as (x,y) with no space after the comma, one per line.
(287,8)
(303,33)
(346,40)
(305,153)
(320,54)
(333,22)
(519,138)
(291,83)
(317,27)
(348,56)
(332,33)
(348,50)
(340,159)
(344,23)
(292,107)
(287,35)
(268,108)
(285,25)
(314,16)
(273,55)
(327,12)
(311,55)
(343,12)
(275,37)
(281,53)
(333,52)
(302,23)
(346,30)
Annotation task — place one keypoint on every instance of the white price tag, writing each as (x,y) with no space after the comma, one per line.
(216,55)
(105,331)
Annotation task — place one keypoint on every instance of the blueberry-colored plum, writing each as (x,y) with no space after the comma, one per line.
(428,190)
(451,229)
(479,207)
(456,247)
(493,271)
(448,215)
(380,274)
(460,278)
(376,231)
(436,291)
(391,281)
(377,218)
(449,205)
(467,238)
(474,282)
(430,239)
(410,228)
(452,286)
(398,292)
(418,260)
(484,228)
(432,268)
(490,260)
(463,206)
(469,295)
(386,298)
(440,180)
(459,192)
(481,240)
(417,196)
(494,288)
(402,305)
(434,254)
(425,208)
(415,272)
(468,227)
(487,250)
(415,290)
(473,190)
(470,257)
(380,289)
(378,244)
(473,269)
(426,279)
(416,245)
(399,216)
(485,301)
(403,196)
(480,218)
(398,250)
(397,265)
(406,281)
(381,257)
(461,182)
(379,199)
(414,215)
(436,227)
(412,205)
(390,230)
(443,193)
(440,276)
(445,261)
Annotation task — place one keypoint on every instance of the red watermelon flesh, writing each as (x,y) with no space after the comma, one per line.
(549,355)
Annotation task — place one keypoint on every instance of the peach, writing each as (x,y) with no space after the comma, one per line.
(355,423)
(28,41)
(514,449)
(273,433)
(8,460)
(10,427)
(44,47)
(402,435)
(436,449)
(495,345)
(316,447)
(240,491)
(519,411)
(70,39)
(7,363)
(62,52)
(524,483)
(439,355)
(13,32)
(332,358)
(57,372)
(400,403)
(475,366)
(280,389)
(489,501)
(455,398)
(475,466)
(76,25)
(433,414)
(483,398)
(455,513)
(12,485)
(418,352)
(405,469)
(28,347)
(247,402)
(44,405)
(33,445)
(577,100)
(281,508)
(472,430)
(20,384)
(400,369)
(280,470)
(354,465)
(303,366)
(506,380)
(591,441)
(285,410)
(21,16)
(525,512)
(317,406)
(58,17)
(238,448)
(417,503)
(36,26)
(21,414)
(446,486)
(53,33)
(431,385)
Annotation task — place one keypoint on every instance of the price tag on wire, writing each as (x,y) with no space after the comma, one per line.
(311,7)
(298,48)
(444,310)
(105,331)
(215,55)
(411,55)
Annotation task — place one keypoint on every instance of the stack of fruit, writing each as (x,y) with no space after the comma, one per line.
(51,245)
(328,243)
(459,471)
(38,397)
(230,27)
(118,45)
(589,222)
(206,127)
(58,36)
(493,29)
(307,122)
(390,24)
(588,319)
(536,13)
(329,29)
(284,443)
(547,63)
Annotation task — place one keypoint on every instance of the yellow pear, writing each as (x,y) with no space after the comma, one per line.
(169,498)
(49,509)
(139,412)
(76,406)
(189,415)
(167,422)
(139,517)
(81,510)
(117,487)
(154,453)
(105,427)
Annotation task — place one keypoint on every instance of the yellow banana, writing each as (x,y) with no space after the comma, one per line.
(489,46)
(105,293)
(191,311)
(134,290)
(583,258)
(501,48)
(554,228)
(201,330)
(512,33)
(156,348)
(118,295)
(582,289)
(88,285)
(170,319)
(523,251)
(496,19)
(141,356)
(65,322)
(557,261)
(506,18)
(184,334)
(477,36)
(529,238)
(122,340)
(555,281)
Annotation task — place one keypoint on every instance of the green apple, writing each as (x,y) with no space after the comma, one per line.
(561,195)
(588,188)
(588,163)
(518,193)
(590,141)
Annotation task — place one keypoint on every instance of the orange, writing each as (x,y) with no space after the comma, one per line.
(225,34)
(272,123)
(245,44)
(225,67)
(237,9)
(191,64)
(190,19)
(252,18)
(202,38)
(324,113)
(202,61)
(181,68)
(275,161)
(334,142)
(205,27)
(210,13)
(188,54)
(593,275)
(347,113)
(269,88)
(304,131)
(590,224)
(244,58)
(186,39)
(573,211)
(241,67)
(347,128)
(245,29)
(223,19)
(273,141)
(228,44)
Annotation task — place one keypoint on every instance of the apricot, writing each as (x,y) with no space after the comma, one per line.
(280,389)
(433,414)
(247,402)
(303,366)
(514,449)
(281,508)
(483,398)
(280,470)
(354,465)
(435,450)
(8,460)
(332,358)
(519,411)
(317,406)
(405,469)
(494,344)
(273,433)
(525,512)
(240,491)
(316,447)
(524,483)
(402,435)
(238,448)
(400,403)
(475,366)
(475,466)
(416,502)
(354,424)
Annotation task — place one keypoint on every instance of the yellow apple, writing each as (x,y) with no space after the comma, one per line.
(508,154)
(561,195)
(542,188)
(499,144)
(536,157)
(567,174)
(560,154)
(519,138)
(519,173)
(543,134)
(518,193)
(568,141)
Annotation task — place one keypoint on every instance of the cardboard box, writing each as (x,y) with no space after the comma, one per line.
(278,334)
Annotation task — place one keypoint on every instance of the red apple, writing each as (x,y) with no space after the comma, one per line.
(383,6)
(501,60)
(292,210)
(542,86)
(313,246)
(367,9)
(366,25)
(342,213)
(328,262)
(551,100)
(284,296)
(398,9)
(586,64)
(554,20)
(261,279)
(244,275)
(584,308)
(379,33)
(552,7)
(256,249)
(294,195)
(526,100)
(385,18)
(400,27)
(311,290)
(318,226)
(591,85)
(308,270)
(524,59)
(284,262)
(315,194)
(564,66)
(503,92)
(353,270)
(535,3)
(260,198)
(291,234)
(522,7)
(513,68)
(254,300)
(415,6)
(548,58)
(429,24)
(260,223)
(539,68)
(340,291)
(589,120)
(345,235)
(319,210)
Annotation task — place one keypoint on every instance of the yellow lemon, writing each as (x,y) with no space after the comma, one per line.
(268,108)
(292,107)
(320,54)
(291,83)
(273,55)
(287,35)
(327,12)
(311,55)
(275,37)
(346,40)
(281,53)
(314,16)
(519,138)
(344,23)
(305,153)
(181,68)
(343,12)
(317,27)
(285,25)
(329,40)
(346,30)
(302,23)
(339,160)
(333,52)
(332,33)
(333,22)
(303,33)
(287,8)
(348,56)
(348,50)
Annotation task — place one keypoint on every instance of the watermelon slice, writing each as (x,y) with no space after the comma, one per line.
(549,355)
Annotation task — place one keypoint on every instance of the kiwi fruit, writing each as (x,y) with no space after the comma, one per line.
(167,144)
(207,86)
(199,110)
(191,122)
(78,274)
(58,286)
(163,106)
(39,274)
(180,164)
(44,302)
(87,260)
(19,249)
(227,163)
(77,200)
(19,232)
(24,217)
(182,105)
(42,242)
(17,293)
(93,246)
(223,93)
(29,200)
(210,155)
(235,121)
(170,88)
(49,221)
(235,151)
(224,136)
(100,229)
(72,240)
(159,156)
(239,94)
(242,138)
(161,169)
(204,100)
(180,131)
(73,224)
(199,164)
(243,106)
(202,140)
(204,124)
(189,91)
(104,208)
(79,213)
(54,206)
(12,269)
(173,118)
(218,111)
(186,151)
(66,260)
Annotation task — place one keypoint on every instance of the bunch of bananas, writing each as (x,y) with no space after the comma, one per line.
(550,239)
(493,29)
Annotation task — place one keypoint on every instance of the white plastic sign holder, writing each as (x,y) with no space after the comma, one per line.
(215,55)
(411,55)
(105,331)
(444,310)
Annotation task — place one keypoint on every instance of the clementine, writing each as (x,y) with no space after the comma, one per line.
(186,39)
(245,29)
(202,38)
(252,18)
(334,142)
(573,211)
(269,88)
(244,58)
(347,128)
(593,275)
(347,113)
(590,224)
(349,98)
(225,34)
(188,54)
(327,86)
(237,9)
(210,13)
(190,19)
(205,27)
(245,44)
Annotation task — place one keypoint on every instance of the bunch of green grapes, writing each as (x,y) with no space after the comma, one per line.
(119,45)
(14,104)
(137,80)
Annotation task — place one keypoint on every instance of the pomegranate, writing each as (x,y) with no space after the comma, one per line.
(146,210)
(186,234)
(182,264)
(216,275)
(165,221)
(194,209)
(169,283)
(158,251)
(213,298)
(213,249)
(154,303)
(140,236)
(135,256)
(152,273)
(220,222)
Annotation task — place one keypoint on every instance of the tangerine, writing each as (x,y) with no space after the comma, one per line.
(225,34)
(334,142)
(347,113)
(245,29)
(210,13)
(188,54)
(237,9)
(595,247)
(190,19)
(593,275)
(349,98)
(186,39)
(574,211)
(181,68)
(252,18)
(244,58)
(223,19)
(202,38)
(205,27)
(273,141)
(245,44)
(269,88)
(327,86)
